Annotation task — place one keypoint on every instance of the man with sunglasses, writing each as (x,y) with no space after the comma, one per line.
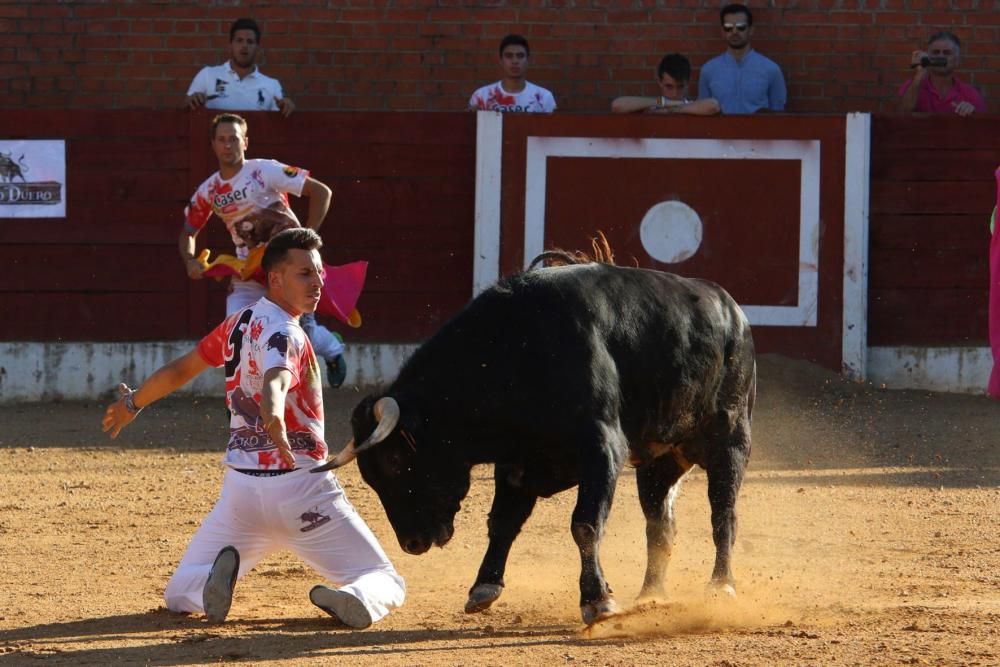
(741,79)
(934,87)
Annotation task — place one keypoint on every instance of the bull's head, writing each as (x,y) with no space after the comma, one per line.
(420,486)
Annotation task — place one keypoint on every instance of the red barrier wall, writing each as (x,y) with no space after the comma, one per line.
(836,55)
(932,190)
(404,199)
(749,207)
(110,271)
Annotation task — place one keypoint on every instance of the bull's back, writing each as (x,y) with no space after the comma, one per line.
(665,352)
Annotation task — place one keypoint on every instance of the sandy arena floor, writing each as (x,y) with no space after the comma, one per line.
(868,536)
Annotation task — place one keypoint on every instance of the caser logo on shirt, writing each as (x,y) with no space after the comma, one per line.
(224,199)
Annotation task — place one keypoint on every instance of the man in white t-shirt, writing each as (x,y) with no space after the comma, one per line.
(250,196)
(513,93)
(237,84)
(269,498)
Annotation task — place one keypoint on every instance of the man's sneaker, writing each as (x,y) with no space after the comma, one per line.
(217,595)
(343,606)
(336,371)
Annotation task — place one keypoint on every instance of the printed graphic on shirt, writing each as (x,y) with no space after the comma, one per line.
(253,204)
(248,344)
(533,99)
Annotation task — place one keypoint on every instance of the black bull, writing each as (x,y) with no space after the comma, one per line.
(559,376)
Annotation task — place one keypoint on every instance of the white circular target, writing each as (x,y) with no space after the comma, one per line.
(670,232)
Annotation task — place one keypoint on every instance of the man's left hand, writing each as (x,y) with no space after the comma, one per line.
(118,416)
(285,106)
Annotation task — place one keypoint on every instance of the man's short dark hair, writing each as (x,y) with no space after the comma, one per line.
(677,66)
(944,34)
(233,118)
(514,40)
(735,8)
(244,24)
(296,238)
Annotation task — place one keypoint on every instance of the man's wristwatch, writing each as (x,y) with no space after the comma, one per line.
(129,401)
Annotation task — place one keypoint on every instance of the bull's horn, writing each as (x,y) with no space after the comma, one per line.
(343,457)
(387,415)
(386,412)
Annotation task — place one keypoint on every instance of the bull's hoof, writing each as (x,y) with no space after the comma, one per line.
(720,590)
(481,597)
(593,612)
(651,594)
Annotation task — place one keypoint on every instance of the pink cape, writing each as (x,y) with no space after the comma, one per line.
(341,287)
(993,389)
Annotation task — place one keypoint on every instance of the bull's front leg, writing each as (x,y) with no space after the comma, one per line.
(596,493)
(511,508)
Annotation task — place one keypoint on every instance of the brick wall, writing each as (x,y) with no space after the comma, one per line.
(837,55)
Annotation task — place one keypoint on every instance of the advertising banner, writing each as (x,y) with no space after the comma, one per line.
(32,179)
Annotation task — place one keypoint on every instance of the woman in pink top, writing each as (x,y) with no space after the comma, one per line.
(935,88)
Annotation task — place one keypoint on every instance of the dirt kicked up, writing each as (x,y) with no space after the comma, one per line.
(867,536)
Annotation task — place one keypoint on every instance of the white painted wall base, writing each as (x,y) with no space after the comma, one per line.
(962,370)
(72,371)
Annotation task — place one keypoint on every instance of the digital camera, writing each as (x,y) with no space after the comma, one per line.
(936,61)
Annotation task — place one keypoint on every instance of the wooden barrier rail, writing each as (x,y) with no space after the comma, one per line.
(404,188)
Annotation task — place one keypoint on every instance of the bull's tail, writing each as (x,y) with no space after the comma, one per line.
(599,245)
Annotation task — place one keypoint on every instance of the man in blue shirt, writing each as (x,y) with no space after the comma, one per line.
(742,80)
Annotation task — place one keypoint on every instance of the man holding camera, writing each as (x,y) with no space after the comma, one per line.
(934,87)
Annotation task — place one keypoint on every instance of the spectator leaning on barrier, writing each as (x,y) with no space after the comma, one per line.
(672,76)
(237,84)
(934,87)
(513,92)
(741,79)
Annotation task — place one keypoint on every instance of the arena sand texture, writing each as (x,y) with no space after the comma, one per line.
(868,536)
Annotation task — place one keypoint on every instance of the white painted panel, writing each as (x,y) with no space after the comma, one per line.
(807,152)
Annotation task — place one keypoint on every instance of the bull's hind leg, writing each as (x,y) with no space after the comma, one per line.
(657,481)
(726,465)
(511,508)
(601,465)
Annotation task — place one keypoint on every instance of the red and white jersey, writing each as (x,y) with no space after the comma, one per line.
(533,99)
(249,343)
(253,204)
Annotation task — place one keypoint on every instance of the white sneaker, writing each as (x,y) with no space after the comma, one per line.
(346,608)
(217,596)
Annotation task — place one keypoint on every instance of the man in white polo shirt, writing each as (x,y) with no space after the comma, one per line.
(237,84)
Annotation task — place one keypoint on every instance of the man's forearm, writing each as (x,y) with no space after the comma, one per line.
(168,378)
(319,203)
(908,101)
(272,396)
(186,245)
